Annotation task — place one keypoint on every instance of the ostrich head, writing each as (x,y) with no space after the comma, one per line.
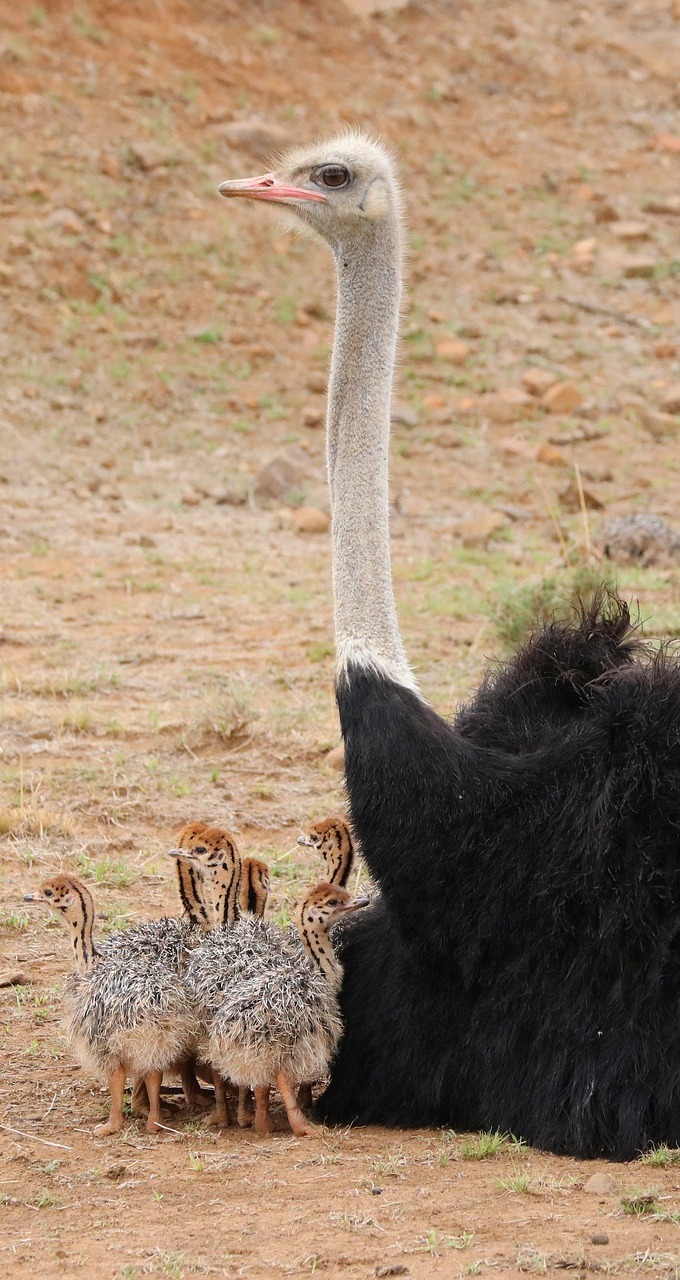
(190,833)
(215,853)
(332,839)
(335,188)
(325,904)
(65,894)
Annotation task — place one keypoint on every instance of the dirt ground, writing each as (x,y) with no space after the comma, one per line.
(165,629)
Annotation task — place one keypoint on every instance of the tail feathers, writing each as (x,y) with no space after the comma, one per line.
(547,681)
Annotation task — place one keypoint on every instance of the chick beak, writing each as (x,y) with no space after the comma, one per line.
(33,897)
(268,187)
(305,840)
(353,905)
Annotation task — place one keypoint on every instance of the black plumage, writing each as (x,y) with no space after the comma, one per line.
(521,969)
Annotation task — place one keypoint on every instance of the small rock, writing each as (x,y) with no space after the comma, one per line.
(434,401)
(453,350)
(447,439)
(667,142)
(477,531)
(336,757)
(256,136)
(551,456)
(507,405)
(599,1184)
(538,381)
(597,471)
(234,494)
(142,339)
(14,978)
(584,247)
(116,1172)
(393,1269)
(663,204)
(278,479)
(599,1237)
(366,9)
(403,413)
(316,381)
(150,155)
(670,400)
(188,499)
(312,416)
(65,220)
(310,520)
(515,448)
(562,397)
(633,268)
(665,350)
(109,164)
(605,212)
(631,231)
(640,539)
(659,424)
(570,497)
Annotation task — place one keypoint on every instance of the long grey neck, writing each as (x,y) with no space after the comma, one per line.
(360,392)
(316,942)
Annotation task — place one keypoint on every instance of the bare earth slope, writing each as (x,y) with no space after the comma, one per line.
(165,626)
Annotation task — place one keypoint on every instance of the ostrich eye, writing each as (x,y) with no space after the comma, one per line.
(332,175)
(48,893)
(200,848)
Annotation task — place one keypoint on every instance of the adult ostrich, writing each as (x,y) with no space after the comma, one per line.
(521,967)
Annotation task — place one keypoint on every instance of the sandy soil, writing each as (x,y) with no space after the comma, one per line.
(165,633)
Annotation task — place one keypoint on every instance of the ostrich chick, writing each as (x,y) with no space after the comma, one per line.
(158,933)
(218,862)
(269,1001)
(253,897)
(332,838)
(128,1009)
(217,853)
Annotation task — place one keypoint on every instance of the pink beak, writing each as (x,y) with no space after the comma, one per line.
(268,187)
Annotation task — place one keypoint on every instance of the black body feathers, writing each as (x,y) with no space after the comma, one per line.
(521,970)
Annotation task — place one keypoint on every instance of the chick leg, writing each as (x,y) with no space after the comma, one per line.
(298,1122)
(263,1120)
(139,1102)
(194,1095)
(220,1116)
(245,1108)
(153,1087)
(305,1097)
(117,1091)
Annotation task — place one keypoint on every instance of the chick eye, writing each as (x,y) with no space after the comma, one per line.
(200,848)
(48,893)
(332,175)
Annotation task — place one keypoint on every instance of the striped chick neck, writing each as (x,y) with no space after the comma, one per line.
(219,860)
(190,889)
(315,916)
(254,890)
